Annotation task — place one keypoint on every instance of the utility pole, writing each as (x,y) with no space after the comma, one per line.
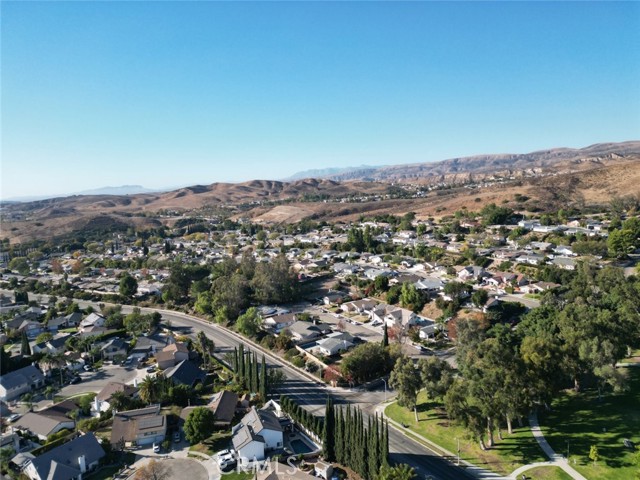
(458,451)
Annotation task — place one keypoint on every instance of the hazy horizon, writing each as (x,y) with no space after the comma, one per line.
(180,93)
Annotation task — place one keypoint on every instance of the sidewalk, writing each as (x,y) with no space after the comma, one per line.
(556,459)
(474,470)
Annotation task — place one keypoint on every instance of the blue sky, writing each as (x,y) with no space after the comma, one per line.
(172,93)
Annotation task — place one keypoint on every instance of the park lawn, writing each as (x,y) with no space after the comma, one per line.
(547,473)
(216,442)
(514,451)
(584,420)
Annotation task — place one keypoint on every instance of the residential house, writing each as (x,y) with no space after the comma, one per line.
(472,272)
(92,320)
(102,401)
(68,461)
(399,317)
(429,330)
(67,321)
(333,297)
(359,306)
(185,373)
(48,421)
(565,263)
(171,355)
(31,328)
(143,426)
(55,345)
(223,405)
(306,331)
(334,343)
(278,323)
(23,380)
(430,285)
(258,432)
(531,259)
(114,348)
(150,344)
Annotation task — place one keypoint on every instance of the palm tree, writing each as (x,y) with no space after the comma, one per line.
(28,399)
(49,391)
(149,389)
(119,401)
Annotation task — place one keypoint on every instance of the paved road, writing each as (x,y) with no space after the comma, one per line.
(313,395)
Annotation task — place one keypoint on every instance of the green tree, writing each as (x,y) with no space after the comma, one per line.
(397,472)
(479,298)
(620,242)
(248,323)
(44,337)
(436,376)
(593,453)
(20,264)
(385,335)
(199,425)
(406,380)
(128,286)
(328,434)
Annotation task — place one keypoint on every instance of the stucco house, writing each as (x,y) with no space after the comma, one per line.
(18,382)
(258,432)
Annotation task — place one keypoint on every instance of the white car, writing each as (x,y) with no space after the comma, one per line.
(156,448)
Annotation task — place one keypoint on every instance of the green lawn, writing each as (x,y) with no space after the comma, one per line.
(547,473)
(515,450)
(216,442)
(583,420)
(238,476)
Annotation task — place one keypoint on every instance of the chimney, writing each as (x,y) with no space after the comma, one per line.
(82,463)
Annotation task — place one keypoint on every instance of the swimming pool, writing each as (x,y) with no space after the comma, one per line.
(298,446)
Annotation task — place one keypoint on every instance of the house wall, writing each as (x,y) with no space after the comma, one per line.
(7,395)
(273,439)
(251,450)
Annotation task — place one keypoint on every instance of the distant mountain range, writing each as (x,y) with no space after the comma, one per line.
(121,190)
(327,172)
(550,179)
(558,159)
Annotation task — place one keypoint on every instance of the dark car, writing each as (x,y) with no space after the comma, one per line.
(75,380)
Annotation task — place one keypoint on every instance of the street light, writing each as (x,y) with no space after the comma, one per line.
(458,440)
(568,443)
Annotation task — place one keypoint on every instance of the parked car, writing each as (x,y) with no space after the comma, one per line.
(151,369)
(156,448)
(87,368)
(14,417)
(75,380)
(176,437)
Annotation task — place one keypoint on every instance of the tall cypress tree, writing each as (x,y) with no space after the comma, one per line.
(385,337)
(241,363)
(347,437)
(263,379)
(339,443)
(254,374)
(385,443)
(235,360)
(328,437)
(372,450)
(25,348)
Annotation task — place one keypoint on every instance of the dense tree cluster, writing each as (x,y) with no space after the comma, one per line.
(369,361)
(575,338)
(347,438)
(231,287)
(249,374)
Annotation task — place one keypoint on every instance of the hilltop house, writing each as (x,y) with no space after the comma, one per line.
(48,421)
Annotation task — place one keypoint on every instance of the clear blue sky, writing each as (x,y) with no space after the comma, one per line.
(170,93)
